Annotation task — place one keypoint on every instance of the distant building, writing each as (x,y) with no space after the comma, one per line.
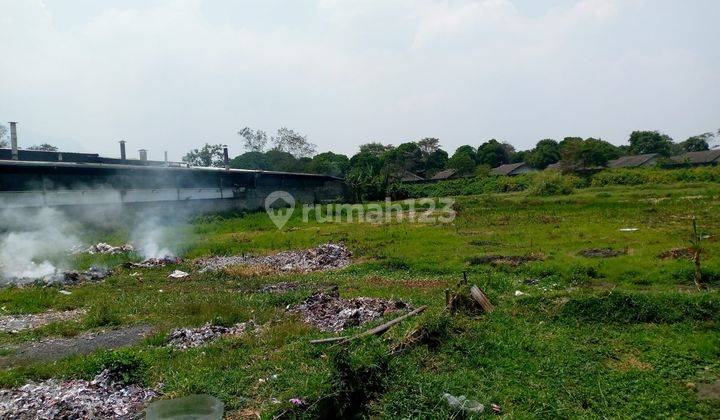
(406,176)
(635,161)
(707,157)
(512,169)
(446,174)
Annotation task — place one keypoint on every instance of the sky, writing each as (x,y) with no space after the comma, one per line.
(175,74)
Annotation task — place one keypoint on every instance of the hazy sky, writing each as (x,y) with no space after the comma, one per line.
(174,74)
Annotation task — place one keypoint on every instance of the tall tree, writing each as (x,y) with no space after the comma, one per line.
(375,148)
(589,153)
(253,140)
(208,155)
(329,163)
(296,144)
(249,160)
(428,145)
(463,160)
(405,157)
(546,152)
(695,143)
(492,153)
(643,142)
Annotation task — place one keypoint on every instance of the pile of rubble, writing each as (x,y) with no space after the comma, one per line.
(103,397)
(103,248)
(186,338)
(327,311)
(322,257)
(677,253)
(601,253)
(16,323)
(154,262)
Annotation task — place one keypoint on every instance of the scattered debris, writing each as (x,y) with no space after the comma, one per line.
(282,287)
(601,253)
(178,274)
(154,262)
(102,397)
(631,229)
(297,402)
(496,408)
(16,323)
(103,248)
(323,257)
(374,331)
(463,404)
(511,260)
(676,253)
(531,282)
(186,338)
(64,292)
(519,293)
(329,312)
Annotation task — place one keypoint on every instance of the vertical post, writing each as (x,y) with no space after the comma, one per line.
(13,140)
(123,156)
(143,155)
(226,157)
(166,159)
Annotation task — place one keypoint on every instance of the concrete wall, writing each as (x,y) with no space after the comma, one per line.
(28,184)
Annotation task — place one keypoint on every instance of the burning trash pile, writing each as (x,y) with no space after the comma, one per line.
(103,397)
(103,248)
(154,262)
(16,323)
(64,278)
(186,338)
(322,257)
(327,311)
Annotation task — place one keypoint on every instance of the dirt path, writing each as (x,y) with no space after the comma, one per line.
(58,348)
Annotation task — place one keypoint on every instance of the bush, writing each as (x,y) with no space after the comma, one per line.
(549,183)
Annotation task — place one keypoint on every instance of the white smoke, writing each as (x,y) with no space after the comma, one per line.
(30,239)
(150,238)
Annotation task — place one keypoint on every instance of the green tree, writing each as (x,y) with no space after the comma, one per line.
(463,160)
(329,163)
(492,153)
(428,145)
(435,162)
(405,157)
(643,142)
(249,160)
(208,155)
(697,143)
(546,152)
(589,153)
(278,160)
(375,148)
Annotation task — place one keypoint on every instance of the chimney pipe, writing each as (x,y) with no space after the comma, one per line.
(143,155)
(123,156)
(13,140)
(226,157)
(166,159)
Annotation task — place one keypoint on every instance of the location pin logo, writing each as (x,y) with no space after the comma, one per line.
(279,205)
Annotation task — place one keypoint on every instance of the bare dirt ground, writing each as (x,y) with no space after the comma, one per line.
(58,348)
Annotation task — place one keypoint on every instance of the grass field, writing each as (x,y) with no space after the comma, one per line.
(627,336)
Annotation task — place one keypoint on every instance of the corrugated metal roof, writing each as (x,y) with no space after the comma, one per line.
(707,156)
(631,161)
(445,174)
(507,169)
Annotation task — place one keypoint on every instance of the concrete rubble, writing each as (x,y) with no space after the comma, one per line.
(154,262)
(327,311)
(186,338)
(17,323)
(322,257)
(102,397)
